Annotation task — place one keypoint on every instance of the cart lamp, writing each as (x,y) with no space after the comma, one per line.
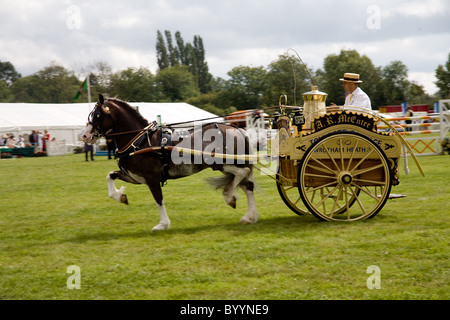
(299,118)
(276,116)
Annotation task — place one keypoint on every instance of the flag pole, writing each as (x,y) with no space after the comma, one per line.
(89,91)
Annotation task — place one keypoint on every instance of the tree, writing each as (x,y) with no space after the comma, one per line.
(53,84)
(204,77)
(161,52)
(174,56)
(395,83)
(176,84)
(246,87)
(181,49)
(8,73)
(443,79)
(134,85)
(5,93)
(100,78)
(286,76)
(348,61)
(190,55)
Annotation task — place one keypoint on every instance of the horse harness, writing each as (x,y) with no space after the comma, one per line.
(145,135)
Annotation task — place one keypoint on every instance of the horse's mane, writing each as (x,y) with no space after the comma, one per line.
(126,106)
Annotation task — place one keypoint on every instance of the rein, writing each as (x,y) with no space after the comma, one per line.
(193,121)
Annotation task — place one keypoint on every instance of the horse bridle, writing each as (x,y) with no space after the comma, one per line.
(101,118)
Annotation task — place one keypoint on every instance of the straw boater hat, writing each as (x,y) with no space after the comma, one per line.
(351,77)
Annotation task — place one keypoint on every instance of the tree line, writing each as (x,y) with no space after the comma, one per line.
(183,75)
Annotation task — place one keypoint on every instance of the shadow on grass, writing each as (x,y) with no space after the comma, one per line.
(302,224)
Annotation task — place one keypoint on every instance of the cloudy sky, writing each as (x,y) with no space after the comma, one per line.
(77,34)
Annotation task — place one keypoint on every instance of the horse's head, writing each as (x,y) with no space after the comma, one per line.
(99,121)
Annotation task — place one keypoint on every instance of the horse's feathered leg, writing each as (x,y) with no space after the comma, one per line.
(248,188)
(155,188)
(243,177)
(113,193)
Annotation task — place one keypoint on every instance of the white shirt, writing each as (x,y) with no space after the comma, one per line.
(358,98)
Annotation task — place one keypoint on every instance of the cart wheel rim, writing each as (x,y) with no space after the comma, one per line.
(344,177)
(290,196)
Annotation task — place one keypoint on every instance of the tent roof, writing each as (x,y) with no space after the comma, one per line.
(29,116)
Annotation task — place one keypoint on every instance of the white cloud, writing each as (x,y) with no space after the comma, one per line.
(235,32)
(426,79)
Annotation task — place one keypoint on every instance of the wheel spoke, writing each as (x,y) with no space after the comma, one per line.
(323,165)
(322,186)
(363,159)
(336,202)
(320,169)
(368,192)
(359,202)
(361,171)
(351,157)
(330,156)
(324,198)
(318,175)
(381,183)
(341,153)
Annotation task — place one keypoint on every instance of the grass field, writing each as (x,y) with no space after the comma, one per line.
(55,213)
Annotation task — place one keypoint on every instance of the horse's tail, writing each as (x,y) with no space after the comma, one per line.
(220,182)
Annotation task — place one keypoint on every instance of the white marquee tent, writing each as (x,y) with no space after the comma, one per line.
(64,122)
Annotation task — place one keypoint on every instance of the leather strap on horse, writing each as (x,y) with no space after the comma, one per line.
(136,142)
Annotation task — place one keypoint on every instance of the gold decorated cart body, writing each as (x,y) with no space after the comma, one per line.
(336,164)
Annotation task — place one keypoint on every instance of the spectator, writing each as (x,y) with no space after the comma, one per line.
(33,138)
(45,138)
(39,140)
(20,142)
(409,113)
(11,143)
(89,148)
(4,140)
(111,147)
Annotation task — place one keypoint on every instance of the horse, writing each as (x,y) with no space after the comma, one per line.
(149,154)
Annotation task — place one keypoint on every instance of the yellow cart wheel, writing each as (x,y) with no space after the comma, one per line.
(344,176)
(288,191)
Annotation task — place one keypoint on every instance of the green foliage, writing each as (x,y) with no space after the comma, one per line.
(8,73)
(5,93)
(192,56)
(348,61)
(246,87)
(176,84)
(134,85)
(56,213)
(286,76)
(53,84)
(443,79)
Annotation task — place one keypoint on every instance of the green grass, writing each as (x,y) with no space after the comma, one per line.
(55,212)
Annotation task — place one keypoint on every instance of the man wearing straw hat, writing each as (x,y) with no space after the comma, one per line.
(354,95)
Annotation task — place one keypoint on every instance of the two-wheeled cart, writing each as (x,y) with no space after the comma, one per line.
(333,162)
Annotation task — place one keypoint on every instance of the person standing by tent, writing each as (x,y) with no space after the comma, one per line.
(39,140)
(111,147)
(89,148)
(33,138)
(45,138)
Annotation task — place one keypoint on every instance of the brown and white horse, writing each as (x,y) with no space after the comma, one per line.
(134,135)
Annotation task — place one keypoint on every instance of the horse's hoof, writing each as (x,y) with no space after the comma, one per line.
(124,199)
(160,227)
(246,220)
(232,203)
